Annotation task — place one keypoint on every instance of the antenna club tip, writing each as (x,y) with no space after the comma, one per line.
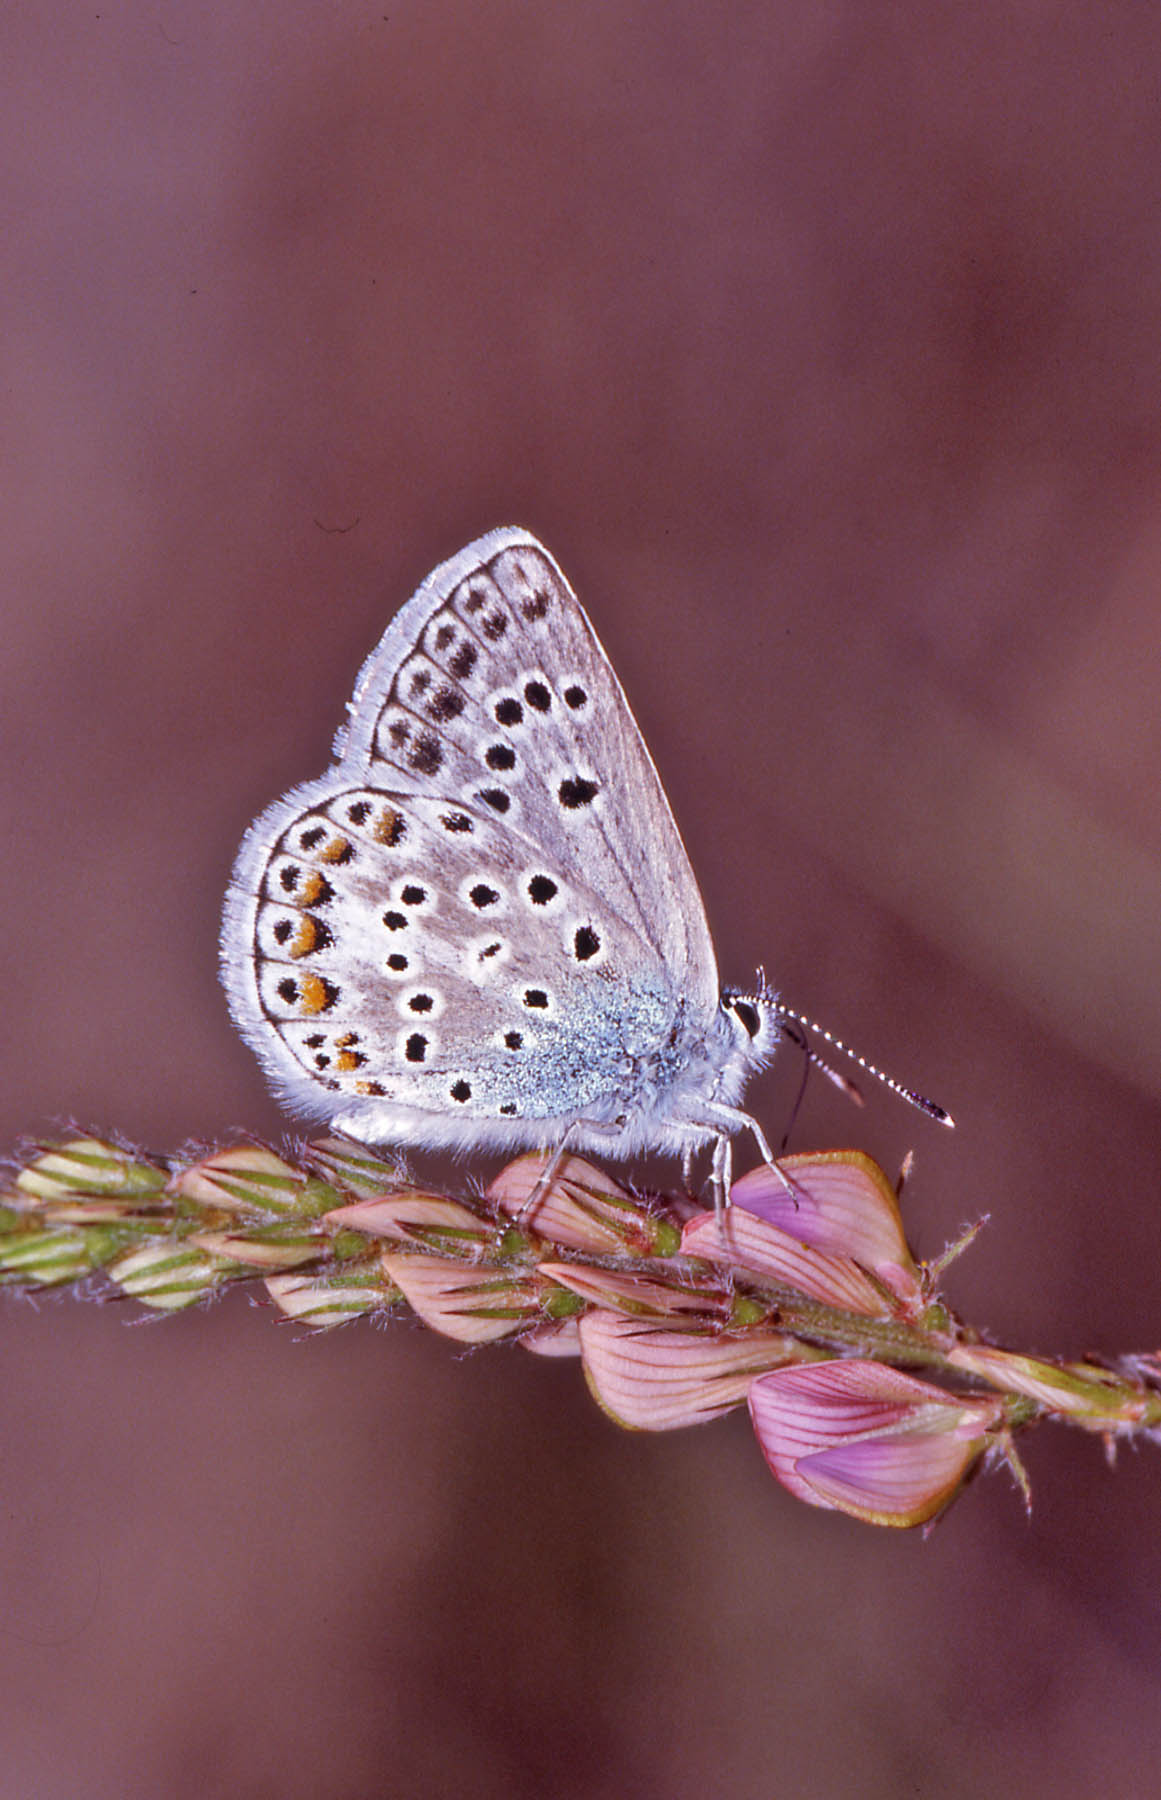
(781,1011)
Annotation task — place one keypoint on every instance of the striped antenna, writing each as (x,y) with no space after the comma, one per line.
(930,1107)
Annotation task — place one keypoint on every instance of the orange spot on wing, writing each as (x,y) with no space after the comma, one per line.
(315,994)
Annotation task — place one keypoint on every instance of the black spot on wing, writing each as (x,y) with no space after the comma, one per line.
(577,791)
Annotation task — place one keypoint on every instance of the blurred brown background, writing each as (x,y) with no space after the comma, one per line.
(822,345)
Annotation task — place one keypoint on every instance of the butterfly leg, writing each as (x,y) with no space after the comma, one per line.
(544,1180)
(548,1174)
(721,1172)
(726,1120)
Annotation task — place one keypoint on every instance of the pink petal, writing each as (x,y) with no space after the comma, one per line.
(868,1440)
(889,1481)
(561,1339)
(652,1379)
(845,1205)
(745,1241)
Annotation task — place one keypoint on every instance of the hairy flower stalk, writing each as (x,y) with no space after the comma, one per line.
(804,1302)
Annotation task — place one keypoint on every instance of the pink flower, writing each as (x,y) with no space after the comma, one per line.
(831,1229)
(838,1202)
(860,1438)
(752,1246)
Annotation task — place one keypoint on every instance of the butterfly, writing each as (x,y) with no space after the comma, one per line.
(479,928)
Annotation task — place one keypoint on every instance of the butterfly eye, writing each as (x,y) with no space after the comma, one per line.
(747,1015)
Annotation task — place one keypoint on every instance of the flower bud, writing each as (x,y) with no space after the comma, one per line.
(1086,1395)
(653,1379)
(413,1217)
(333,1299)
(88,1166)
(344,1164)
(641,1296)
(279,1249)
(46,1258)
(244,1178)
(167,1276)
(473,1305)
(581,1209)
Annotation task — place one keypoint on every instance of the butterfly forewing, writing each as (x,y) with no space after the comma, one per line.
(491,686)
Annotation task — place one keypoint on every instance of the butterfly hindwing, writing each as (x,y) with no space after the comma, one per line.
(399,957)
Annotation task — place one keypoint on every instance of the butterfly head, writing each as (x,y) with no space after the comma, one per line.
(752,1021)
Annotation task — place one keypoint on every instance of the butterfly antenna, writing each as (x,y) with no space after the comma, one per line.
(800,1025)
